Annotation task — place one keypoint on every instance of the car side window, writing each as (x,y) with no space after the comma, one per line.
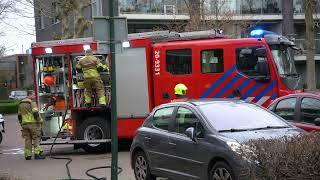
(185,119)
(285,108)
(310,109)
(162,118)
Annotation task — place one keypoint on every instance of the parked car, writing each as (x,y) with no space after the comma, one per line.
(198,139)
(302,109)
(18,95)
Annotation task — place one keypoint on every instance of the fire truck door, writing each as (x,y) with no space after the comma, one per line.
(171,67)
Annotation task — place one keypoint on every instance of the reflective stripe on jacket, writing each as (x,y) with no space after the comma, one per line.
(26,109)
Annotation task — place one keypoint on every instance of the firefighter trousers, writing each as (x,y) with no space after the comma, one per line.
(32,134)
(96,84)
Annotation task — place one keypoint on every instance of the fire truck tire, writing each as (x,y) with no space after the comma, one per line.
(94,128)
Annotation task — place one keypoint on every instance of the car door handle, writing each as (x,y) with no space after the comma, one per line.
(147,138)
(172,144)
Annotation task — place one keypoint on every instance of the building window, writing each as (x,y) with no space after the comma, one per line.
(41,22)
(212,61)
(271,6)
(251,7)
(179,61)
(55,12)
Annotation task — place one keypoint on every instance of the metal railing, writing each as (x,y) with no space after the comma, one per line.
(302,45)
(179,7)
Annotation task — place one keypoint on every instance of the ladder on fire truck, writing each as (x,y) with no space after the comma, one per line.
(168,36)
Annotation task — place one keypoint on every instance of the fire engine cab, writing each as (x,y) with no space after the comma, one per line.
(148,66)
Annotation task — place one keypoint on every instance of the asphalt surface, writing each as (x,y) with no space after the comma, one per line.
(12,161)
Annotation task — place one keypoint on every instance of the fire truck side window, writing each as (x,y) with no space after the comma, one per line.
(247,60)
(179,61)
(212,61)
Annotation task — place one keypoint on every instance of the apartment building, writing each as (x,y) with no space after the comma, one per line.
(146,15)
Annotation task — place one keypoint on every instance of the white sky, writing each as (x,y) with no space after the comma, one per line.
(19,30)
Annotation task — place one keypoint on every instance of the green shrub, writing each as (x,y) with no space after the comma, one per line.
(286,158)
(9,107)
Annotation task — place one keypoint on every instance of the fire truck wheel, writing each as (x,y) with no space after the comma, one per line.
(94,128)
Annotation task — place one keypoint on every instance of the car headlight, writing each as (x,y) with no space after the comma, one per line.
(244,151)
(236,147)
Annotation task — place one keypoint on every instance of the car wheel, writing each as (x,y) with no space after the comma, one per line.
(93,129)
(141,167)
(221,171)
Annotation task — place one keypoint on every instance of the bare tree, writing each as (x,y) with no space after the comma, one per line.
(309,9)
(6,7)
(206,15)
(287,13)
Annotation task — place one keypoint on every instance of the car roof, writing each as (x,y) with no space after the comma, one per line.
(303,94)
(203,101)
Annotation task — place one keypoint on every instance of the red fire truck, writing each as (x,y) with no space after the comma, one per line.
(148,67)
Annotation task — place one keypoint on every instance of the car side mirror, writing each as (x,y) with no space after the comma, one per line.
(190,132)
(317,121)
(263,67)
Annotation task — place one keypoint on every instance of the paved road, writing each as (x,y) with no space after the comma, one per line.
(12,160)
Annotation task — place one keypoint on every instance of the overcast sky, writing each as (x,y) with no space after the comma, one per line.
(19,30)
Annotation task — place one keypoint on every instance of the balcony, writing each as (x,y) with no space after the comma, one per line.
(178,7)
(300,55)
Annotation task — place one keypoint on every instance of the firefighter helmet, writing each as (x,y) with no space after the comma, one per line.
(180,89)
(48,80)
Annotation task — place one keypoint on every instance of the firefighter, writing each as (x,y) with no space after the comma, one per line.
(180,90)
(91,67)
(30,122)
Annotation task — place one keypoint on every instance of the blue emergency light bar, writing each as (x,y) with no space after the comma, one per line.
(30,51)
(259,33)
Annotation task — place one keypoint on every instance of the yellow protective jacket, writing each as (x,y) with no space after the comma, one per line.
(28,111)
(90,65)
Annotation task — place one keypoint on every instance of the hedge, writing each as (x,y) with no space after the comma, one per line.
(285,158)
(9,106)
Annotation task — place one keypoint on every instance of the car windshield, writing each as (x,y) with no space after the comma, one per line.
(284,60)
(237,116)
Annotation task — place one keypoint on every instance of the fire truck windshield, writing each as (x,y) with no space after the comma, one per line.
(284,61)
(283,57)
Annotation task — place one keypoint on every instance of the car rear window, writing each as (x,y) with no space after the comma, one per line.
(233,115)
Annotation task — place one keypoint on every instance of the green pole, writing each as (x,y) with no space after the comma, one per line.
(114,120)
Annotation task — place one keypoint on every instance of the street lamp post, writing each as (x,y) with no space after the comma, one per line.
(114,119)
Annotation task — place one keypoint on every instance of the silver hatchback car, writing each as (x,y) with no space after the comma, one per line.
(198,139)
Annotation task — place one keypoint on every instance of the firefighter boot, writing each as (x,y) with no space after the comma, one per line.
(39,156)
